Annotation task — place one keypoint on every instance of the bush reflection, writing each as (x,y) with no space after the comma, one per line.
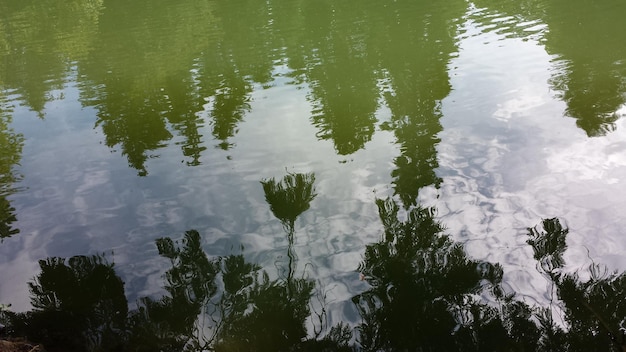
(425,294)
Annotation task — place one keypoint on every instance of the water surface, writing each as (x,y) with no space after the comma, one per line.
(122,124)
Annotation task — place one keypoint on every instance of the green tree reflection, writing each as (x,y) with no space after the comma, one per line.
(40,41)
(11,144)
(416,43)
(589,59)
(139,76)
(587,39)
(243,54)
(341,73)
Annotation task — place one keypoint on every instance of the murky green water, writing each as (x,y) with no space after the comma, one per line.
(297,173)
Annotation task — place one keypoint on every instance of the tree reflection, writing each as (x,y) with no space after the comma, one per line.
(424,290)
(79,305)
(288,199)
(587,38)
(425,294)
(148,77)
(589,59)
(341,73)
(138,77)
(39,42)
(416,44)
(11,144)
(595,310)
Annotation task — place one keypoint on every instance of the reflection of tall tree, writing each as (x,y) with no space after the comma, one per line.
(191,286)
(243,54)
(415,48)
(183,102)
(239,306)
(38,42)
(230,102)
(588,39)
(10,153)
(288,199)
(424,288)
(79,305)
(595,309)
(142,73)
(341,74)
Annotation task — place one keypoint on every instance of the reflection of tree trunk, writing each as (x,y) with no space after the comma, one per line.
(289,198)
(293,261)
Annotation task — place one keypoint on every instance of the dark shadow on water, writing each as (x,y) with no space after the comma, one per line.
(425,294)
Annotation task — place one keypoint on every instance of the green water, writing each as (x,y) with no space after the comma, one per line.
(289,175)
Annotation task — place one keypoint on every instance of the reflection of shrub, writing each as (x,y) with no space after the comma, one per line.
(79,305)
(425,295)
(595,310)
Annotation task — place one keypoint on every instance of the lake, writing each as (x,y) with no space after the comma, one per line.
(373,175)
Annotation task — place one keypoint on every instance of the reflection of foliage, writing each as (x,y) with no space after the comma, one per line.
(423,290)
(232,300)
(343,87)
(276,322)
(79,305)
(550,245)
(7,217)
(140,69)
(10,153)
(424,296)
(190,284)
(215,304)
(588,39)
(417,43)
(136,128)
(595,310)
(290,197)
(39,40)
(231,102)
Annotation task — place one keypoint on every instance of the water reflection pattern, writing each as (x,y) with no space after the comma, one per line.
(149,78)
(425,295)
(165,81)
(589,65)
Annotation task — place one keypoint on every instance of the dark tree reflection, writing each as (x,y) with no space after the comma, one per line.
(290,197)
(424,292)
(79,305)
(594,309)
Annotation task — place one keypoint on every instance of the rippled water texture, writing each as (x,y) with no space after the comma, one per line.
(272,128)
